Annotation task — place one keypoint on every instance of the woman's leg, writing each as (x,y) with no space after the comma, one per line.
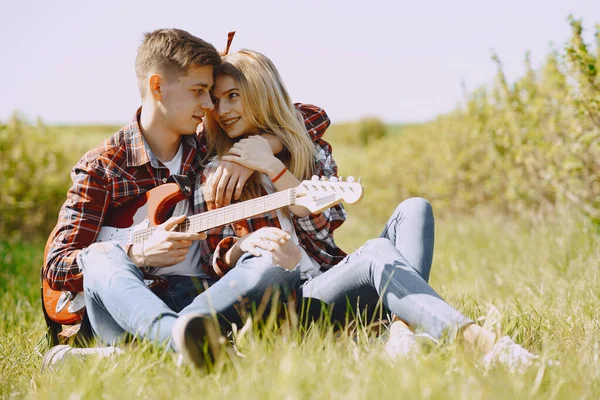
(411,229)
(379,271)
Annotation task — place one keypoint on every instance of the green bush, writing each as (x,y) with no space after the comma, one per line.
(371,129)
(35,162)
(34,175)
(531,145)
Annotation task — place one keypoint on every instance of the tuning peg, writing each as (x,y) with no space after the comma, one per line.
(324,178)
(350,179)
(333,179)
(341,178)
(314,178)
(359,179)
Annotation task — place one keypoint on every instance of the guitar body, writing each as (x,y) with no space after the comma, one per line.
(65,307)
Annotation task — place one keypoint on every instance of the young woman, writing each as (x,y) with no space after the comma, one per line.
(250,99)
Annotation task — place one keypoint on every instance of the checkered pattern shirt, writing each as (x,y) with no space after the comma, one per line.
(315,231)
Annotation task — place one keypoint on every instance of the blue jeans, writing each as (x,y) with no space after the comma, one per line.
(119,303)
(392,269)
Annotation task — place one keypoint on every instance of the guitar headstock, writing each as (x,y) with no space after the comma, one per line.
(321,193)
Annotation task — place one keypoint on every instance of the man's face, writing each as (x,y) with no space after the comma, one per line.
(229,108)
(186,99)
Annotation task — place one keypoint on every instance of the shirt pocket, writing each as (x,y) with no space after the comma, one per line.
(127,188)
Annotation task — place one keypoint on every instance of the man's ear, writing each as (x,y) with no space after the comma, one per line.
(155,82)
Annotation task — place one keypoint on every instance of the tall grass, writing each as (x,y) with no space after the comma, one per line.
(542,278)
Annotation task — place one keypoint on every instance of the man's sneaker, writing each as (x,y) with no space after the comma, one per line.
(197,340)
(401,342)
(506,352)
(58,355)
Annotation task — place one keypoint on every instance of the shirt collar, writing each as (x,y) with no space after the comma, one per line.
(138,151)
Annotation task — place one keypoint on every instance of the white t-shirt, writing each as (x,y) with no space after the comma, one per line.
(191,265)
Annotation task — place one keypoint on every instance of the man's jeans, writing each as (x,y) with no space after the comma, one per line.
(392,269)
(118,302)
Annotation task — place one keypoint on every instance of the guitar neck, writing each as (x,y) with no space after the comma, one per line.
(226,215)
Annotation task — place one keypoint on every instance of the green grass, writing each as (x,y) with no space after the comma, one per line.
(541,276)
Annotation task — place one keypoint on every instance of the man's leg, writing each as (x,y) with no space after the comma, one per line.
(117,299)
(182,290)
(411,229)
(243,286)
(251,283)
(379,268)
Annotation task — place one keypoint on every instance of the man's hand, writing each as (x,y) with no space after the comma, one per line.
(228,182)
(164,247)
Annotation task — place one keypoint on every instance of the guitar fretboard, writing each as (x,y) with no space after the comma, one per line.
(226,215)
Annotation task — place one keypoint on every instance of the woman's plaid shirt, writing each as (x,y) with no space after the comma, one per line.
(110,177)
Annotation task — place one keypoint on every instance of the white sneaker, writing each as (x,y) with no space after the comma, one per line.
(197,340)
(59,354)
(506,352)
(401,342)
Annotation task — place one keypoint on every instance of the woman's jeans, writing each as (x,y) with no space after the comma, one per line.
(392,269)
(118,302)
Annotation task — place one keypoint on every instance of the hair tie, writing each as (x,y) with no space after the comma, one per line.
(230,36)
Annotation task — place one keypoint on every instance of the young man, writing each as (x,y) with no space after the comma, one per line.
(175,73)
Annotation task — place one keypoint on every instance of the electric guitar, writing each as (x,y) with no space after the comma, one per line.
(136,222)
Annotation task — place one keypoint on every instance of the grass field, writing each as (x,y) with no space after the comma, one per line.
(542,277)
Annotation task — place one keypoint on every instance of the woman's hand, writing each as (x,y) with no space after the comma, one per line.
(285,252)
(264,238)
(255,152)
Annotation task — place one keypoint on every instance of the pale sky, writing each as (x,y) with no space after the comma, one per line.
(71,61)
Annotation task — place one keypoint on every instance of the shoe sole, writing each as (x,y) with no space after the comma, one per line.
(54,356)
(196,337)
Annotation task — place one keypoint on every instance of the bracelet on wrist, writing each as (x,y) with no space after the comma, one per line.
(279,175)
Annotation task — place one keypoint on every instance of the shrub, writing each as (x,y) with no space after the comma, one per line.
(371,129)
(34,174)
(531,145)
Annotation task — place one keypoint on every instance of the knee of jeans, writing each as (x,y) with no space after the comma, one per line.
(417,205)
(100,261)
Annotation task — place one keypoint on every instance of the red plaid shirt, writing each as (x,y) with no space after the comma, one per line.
(315,232)
(110,177)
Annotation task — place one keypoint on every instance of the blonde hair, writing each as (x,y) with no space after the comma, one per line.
(172,51)
(267,106)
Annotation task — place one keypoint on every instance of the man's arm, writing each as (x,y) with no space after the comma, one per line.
(316,120)
(79,222)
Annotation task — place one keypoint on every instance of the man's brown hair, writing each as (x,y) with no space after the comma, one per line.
(171,52)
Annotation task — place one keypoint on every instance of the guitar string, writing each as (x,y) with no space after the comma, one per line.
(202,222)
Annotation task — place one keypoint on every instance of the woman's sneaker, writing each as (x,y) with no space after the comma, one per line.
(509,354)
(401,342)
(59,354)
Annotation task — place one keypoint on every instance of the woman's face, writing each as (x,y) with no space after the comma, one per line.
(229,108)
